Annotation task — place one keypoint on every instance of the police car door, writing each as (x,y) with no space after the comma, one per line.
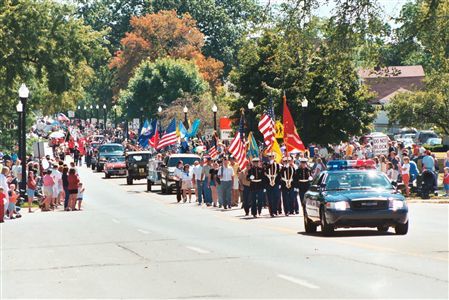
(313,198)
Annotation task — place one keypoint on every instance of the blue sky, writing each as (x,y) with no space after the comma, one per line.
(390,8)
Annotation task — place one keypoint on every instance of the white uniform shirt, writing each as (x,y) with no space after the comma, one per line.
(225,173)
(197,170)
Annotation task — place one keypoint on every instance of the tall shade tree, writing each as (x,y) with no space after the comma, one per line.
(160,35)
(223,22)
(426,31)
(43,45)
(160,83)
(112,16)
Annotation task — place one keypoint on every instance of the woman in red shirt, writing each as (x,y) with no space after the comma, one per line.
(73,188)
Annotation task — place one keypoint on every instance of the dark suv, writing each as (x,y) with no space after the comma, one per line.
(137,165)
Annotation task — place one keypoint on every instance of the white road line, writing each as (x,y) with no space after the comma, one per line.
(299,281)
(142,231)
(198,250)
(115,221)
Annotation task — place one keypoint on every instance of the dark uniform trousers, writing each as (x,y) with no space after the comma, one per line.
(246,199)
(178,190)
(257,201)
(273,195)
(287,199)
(303,188)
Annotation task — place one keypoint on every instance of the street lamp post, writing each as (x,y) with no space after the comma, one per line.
(304,105)
(141,116)
(91,113)
(23,95)
(250,115)
(159,110)
(78,113)
(115,115)
(214,110)
(19,108)
(98,115)
(85,113)
(186,123)
(105,115)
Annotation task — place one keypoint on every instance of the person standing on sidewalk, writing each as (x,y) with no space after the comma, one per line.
(65,187)
(197,171)
(205,176)
(178,177)
(31,189)
(405,172)
(226,175)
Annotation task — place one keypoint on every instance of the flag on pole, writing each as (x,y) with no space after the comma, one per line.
(181,131)
(266,127)
(237,149)
(154,140)
(253,149)
(292,140)
(169,137)
(145,133)
(194,128)
(277,151)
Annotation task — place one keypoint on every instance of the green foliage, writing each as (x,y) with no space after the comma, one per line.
(44,46)
(426,108)
(223,22)
(111,16)
(312,68)
(160,83)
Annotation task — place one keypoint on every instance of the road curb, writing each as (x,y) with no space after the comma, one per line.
(430,201)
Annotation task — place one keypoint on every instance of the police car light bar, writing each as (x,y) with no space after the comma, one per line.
(351,164)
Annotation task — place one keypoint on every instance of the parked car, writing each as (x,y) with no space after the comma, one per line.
(434,141)
(137,165)
(168,183)
(107,151)
(346,196)
(423,135)
(154,173)
(115,166)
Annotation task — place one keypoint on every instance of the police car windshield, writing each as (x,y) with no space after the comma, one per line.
(357,181)
(110,148)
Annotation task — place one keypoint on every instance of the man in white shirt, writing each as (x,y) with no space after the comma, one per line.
(197,171)
(4,184)
(226,175)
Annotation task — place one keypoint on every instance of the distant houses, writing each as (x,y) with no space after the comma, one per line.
(386,83)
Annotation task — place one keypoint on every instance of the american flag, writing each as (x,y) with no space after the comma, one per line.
(266,126)
(213,152)
(170,137)
(237,149)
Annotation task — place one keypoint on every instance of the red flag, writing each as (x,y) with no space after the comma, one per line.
(154,141)
(292,140)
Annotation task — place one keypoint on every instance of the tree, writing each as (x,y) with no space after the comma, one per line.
(44,46)
(426,31)
(111,16)
(160,83)
(224,23)
(160,35)
(275,63)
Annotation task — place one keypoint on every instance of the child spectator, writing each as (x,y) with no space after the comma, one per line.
(79,197)
(2,204)
(12,201)
(446,181)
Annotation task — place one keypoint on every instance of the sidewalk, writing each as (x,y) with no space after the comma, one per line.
(434,200)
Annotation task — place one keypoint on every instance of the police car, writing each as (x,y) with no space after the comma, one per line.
(354,194)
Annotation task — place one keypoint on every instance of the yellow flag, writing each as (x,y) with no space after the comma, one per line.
(277,151)
(279,130)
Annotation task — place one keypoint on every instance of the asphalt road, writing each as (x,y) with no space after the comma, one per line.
(128,243)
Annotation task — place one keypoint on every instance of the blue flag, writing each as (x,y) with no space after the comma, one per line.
(145,133)
(194,128)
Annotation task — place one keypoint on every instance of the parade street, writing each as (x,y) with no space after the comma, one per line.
(129,243)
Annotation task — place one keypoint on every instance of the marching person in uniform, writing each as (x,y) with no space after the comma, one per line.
(257,195)
(244,185)
(304,175)
(287,186)
(272,173)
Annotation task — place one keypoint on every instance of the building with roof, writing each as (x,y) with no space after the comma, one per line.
(388,82)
